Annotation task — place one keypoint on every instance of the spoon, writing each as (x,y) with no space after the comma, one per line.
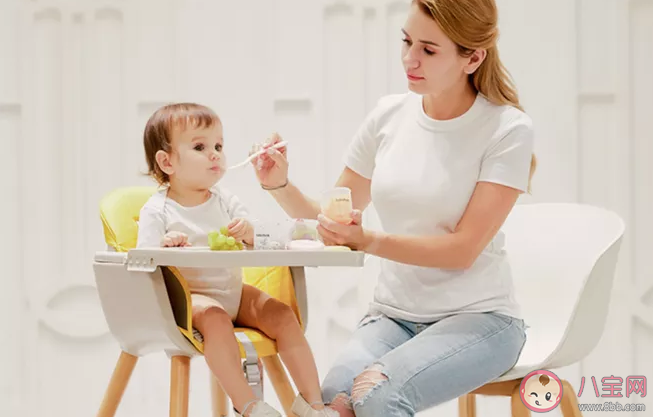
(259,153)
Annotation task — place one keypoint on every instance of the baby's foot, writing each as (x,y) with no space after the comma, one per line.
(259,409)
(304,409)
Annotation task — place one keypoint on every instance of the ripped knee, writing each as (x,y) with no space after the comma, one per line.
(370,379)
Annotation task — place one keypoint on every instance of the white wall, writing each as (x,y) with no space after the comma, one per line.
(79,78)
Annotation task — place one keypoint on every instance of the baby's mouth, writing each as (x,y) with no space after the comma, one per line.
(537,402)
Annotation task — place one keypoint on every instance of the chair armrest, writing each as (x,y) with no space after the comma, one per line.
(137,307)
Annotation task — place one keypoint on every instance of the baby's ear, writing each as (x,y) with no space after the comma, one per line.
(163,161)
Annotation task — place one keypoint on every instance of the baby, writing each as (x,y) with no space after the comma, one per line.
(184,152)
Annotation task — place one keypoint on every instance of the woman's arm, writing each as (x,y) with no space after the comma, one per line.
(485,214)
(297,205)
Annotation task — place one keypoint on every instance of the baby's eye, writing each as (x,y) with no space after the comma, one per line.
(218,147)
(548,396)
(534,394)
(199,147)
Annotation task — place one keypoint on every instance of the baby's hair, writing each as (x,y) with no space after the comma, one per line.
(159,127)
(544,380)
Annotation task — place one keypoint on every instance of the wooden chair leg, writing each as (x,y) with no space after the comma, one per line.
(280,382)
(467,405)
(517,407)
(219,400)
(179,385)
(569,403)
(119,379)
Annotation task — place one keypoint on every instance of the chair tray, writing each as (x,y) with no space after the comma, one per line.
(146,259)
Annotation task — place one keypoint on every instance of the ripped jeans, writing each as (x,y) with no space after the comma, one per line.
(396,368)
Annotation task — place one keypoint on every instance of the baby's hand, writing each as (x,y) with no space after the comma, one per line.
(173,239)
(241,230)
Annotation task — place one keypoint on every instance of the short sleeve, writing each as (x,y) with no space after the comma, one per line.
(508,161)
(361,153)
(151,227)
(234,207)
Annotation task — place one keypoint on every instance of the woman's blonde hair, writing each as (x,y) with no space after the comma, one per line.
(472,25)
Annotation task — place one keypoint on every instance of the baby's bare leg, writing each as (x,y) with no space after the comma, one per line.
(278,322)
(222,354)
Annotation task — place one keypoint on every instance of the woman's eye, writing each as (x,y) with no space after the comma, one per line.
(199,147)
(406,41)
(428,52)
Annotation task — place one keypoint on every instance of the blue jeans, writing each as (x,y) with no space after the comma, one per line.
(423,364)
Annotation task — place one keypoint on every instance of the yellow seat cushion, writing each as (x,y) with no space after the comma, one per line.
(119,212)
(275,281)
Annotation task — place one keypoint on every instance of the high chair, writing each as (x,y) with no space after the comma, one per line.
(563,258)
(150,312)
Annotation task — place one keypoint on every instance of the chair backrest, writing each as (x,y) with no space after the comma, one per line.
(120,212)
(563,258)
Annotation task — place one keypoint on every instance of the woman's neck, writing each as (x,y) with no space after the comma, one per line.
(187,197)
(451,103)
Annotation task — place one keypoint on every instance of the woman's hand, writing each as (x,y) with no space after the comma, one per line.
(352,235)
(272,167)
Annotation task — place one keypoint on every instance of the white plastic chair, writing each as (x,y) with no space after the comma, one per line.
(563,257)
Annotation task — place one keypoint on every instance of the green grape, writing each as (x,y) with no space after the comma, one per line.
(213,239)
(221,242)
(224,230)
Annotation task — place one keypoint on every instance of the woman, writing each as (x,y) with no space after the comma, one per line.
(443,164)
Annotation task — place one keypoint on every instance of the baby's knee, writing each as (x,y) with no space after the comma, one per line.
(278,317)
(208,318)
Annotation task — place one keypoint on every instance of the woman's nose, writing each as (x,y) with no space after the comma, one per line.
(410,60)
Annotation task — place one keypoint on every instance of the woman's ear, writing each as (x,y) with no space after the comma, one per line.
(163,160)
(475,60)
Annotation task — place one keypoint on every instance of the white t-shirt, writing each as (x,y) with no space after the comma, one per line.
(160,215)
(423,173)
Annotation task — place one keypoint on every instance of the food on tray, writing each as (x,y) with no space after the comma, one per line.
(305,229)
(219,240)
